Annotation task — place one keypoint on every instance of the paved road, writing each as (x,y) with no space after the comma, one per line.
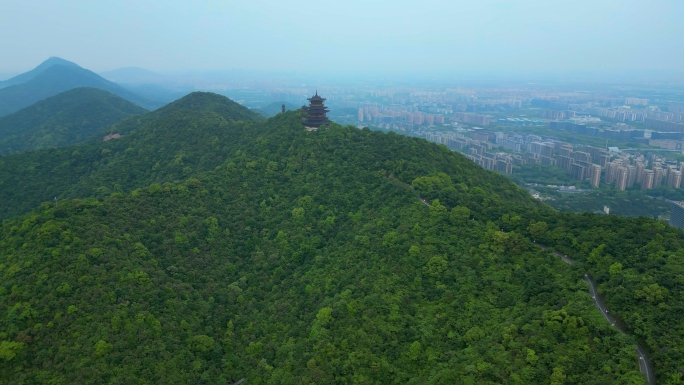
(644,363)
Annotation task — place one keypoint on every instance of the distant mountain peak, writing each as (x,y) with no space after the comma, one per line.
(53,60)
(32,74)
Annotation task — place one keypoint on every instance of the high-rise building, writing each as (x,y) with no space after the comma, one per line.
(640,172)
(577,171)
(504,166)
(565,162)
(647,181)
(360,115)
(595,175)
(674,179)
(657,176)
(547,149)
(631,176)
(603,160)
(581,156)
(611,172)
(548,160)
(621,182)
(565,150)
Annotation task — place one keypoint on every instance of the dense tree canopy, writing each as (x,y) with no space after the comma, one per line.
(68,118)
(201,248)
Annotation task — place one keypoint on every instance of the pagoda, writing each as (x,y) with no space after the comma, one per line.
(316,113)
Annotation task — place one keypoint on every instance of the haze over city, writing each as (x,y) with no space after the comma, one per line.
(450,38)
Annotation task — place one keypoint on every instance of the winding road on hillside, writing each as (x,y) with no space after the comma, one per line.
(644,364)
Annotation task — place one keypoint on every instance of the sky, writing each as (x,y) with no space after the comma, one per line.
(397,36)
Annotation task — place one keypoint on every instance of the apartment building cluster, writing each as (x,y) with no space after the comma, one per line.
(636,102)
(625,175)
(581,165)
(477,150)
(520,122)
(619,131)
(556,115)
(478,119)
(621,113)
(491,105)
(407,117)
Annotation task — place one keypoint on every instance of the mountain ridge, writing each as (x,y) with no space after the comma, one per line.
(56,79)
(66,118)
(35,176)
(26,76)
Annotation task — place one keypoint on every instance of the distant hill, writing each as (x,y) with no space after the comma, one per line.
(195,102)
(180,130)
(56,79)
(63,119)
(133,75)
(26,76)
(275,108)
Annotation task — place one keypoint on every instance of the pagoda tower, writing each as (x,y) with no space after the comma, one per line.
(316,113)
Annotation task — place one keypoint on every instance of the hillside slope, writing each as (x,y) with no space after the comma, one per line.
(63,119)
(57,79)
(193,102)
(163,145)
(26,76)
(302,210)
(296,258)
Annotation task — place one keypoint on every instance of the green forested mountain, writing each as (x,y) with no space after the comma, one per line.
(196,102)
(201,248)
(168,144)
(56,79)
(66,118)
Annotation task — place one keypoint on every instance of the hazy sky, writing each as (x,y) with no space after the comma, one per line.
(349,35)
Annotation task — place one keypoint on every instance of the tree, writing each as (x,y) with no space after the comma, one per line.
(537,229)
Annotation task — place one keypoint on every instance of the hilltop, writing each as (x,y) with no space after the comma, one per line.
(209,245)
(26,76)
(63,119)
(193,102)
(53,79)
(162,145)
